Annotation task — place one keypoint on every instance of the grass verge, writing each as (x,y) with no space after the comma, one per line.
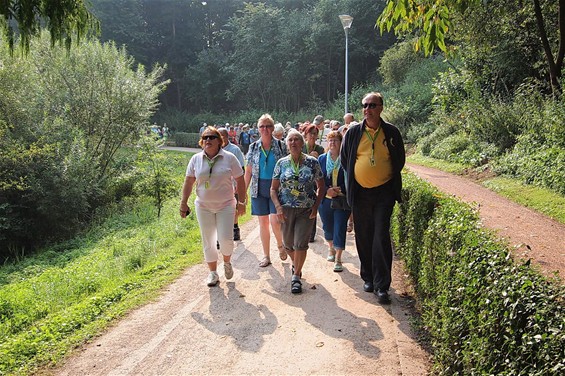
(454,168)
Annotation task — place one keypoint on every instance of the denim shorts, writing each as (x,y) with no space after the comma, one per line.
(263,205)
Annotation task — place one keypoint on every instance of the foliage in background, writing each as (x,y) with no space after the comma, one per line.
(435,21)
(229,55)
(495,108)
(486,313)
(521,136)
(65,20)
(408,80)
(63,117)
(157,178)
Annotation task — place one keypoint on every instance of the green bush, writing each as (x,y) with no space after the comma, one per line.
(541,166)
(486,314)
(187,140)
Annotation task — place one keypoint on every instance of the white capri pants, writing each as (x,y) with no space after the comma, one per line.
(216,225)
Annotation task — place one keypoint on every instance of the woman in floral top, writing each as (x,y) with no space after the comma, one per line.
(297,190)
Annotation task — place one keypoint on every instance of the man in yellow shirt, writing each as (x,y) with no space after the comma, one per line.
(372,154)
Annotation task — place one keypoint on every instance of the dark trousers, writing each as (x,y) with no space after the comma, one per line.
(372,210)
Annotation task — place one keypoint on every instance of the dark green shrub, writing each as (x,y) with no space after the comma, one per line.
(188,140)
(485,313)
(412,218)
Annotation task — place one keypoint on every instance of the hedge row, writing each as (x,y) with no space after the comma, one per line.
(485,312)
(187,140)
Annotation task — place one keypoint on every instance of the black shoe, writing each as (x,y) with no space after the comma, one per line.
(296,286)
(382,296)
(368,287)
(236,234)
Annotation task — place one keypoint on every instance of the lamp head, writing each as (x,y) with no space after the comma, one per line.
(346,21)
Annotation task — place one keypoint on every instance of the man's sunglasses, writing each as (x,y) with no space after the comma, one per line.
(208,138)
(372,106)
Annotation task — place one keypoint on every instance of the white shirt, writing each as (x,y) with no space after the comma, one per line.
(214,191)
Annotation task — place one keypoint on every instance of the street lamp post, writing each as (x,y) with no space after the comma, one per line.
(346,22)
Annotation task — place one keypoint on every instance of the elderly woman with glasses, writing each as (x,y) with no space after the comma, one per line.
(261,159)
(212,171)
(334,219)
(297,190)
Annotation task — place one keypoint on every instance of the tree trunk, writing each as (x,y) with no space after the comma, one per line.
(553,65)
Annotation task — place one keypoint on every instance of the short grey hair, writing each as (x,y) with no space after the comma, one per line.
(294,132)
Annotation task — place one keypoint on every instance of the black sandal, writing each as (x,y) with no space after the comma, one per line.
(296,287)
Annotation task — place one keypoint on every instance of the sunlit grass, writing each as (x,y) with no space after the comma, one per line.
(46,308)
(419,159)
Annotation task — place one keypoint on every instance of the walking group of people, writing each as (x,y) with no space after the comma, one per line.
(290,180)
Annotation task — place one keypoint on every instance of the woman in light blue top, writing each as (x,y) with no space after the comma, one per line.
(261,159)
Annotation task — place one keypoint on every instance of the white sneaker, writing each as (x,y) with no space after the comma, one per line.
(212,279)
(228,270)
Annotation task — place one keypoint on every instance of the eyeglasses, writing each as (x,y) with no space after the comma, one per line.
(265,126)
(209,138)
(372,106)
(334,140)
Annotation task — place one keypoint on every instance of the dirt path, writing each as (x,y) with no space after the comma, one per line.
(253,325)
(532,235)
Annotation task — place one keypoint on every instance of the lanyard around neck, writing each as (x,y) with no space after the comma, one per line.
(211,164)
(295,166)
(372,159)
(266,154)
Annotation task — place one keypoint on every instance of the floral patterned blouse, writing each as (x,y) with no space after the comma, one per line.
(298,190)
(253,157)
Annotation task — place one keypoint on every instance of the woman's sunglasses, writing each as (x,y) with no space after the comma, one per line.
(208,138)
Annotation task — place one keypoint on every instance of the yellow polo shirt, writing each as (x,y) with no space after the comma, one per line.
(368,174)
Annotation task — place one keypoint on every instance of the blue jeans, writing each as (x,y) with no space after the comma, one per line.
(334,223)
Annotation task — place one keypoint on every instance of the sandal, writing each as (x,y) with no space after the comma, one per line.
(331,255)
(296,286)
(282,252)
(265,262)
(338,267)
